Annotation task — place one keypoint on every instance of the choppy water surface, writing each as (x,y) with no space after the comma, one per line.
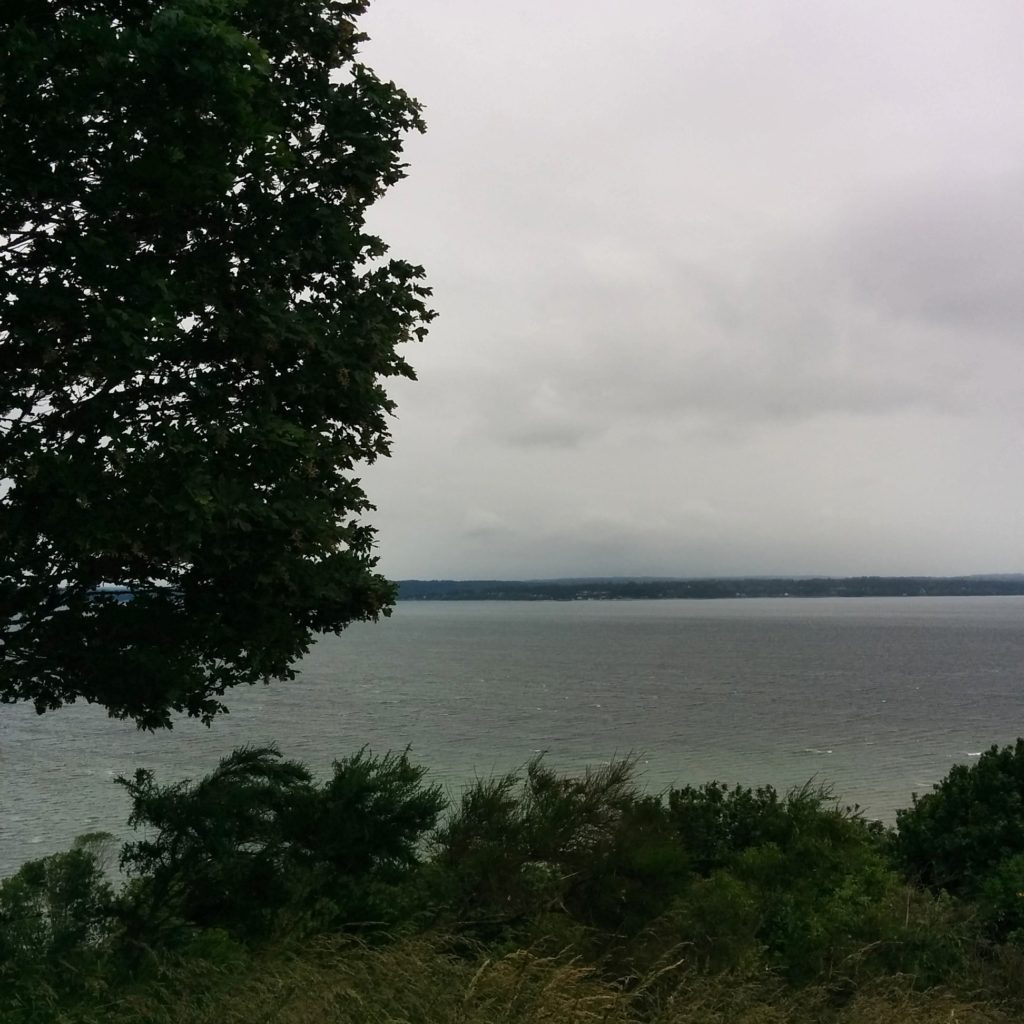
(879,696)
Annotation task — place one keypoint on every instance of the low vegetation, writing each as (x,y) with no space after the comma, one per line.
(260,893)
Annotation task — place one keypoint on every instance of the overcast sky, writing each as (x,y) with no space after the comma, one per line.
(722,287)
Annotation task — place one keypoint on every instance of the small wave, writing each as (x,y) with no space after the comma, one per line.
(816,750)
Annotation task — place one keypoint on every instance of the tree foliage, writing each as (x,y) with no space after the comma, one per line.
(792,889)
(593,846)
(795,877)
(56,914)
(195,330)
(258,842)
(970,823)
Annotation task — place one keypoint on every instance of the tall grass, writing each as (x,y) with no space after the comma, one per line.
(419,981)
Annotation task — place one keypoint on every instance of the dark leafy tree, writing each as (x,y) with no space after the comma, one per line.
(195,331)
(717,822)
(970,823)
(593,847)
(257,846)
(795,875)
(56,915)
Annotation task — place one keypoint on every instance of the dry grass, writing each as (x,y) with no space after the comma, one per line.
(417,982)
(412,981)
(727,1000)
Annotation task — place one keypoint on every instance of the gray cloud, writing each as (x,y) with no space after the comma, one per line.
(951,255)
(723,288)
(788,347)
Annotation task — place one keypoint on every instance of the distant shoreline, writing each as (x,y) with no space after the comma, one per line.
(710,588)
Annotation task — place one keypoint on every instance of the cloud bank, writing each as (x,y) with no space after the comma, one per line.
(723,288)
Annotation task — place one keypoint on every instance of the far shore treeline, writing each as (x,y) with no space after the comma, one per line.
(647,588)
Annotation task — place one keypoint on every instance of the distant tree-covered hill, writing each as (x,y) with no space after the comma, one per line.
(715,587)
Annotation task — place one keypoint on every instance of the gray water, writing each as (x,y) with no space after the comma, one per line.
(878,696)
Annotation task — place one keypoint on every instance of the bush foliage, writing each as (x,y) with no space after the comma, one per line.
(780,906)
(257,846)
(967,836)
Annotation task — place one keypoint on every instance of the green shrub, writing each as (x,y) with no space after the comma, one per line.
(791,890)
(257,848)
(55,917)
(971,822)
(1001,900)
(929,937)
(591,846)
(800,877)
(716,822)
(719,919)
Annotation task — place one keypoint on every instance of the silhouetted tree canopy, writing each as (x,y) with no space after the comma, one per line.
(195,331)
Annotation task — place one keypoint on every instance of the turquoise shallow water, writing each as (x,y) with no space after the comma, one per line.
(879,696)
